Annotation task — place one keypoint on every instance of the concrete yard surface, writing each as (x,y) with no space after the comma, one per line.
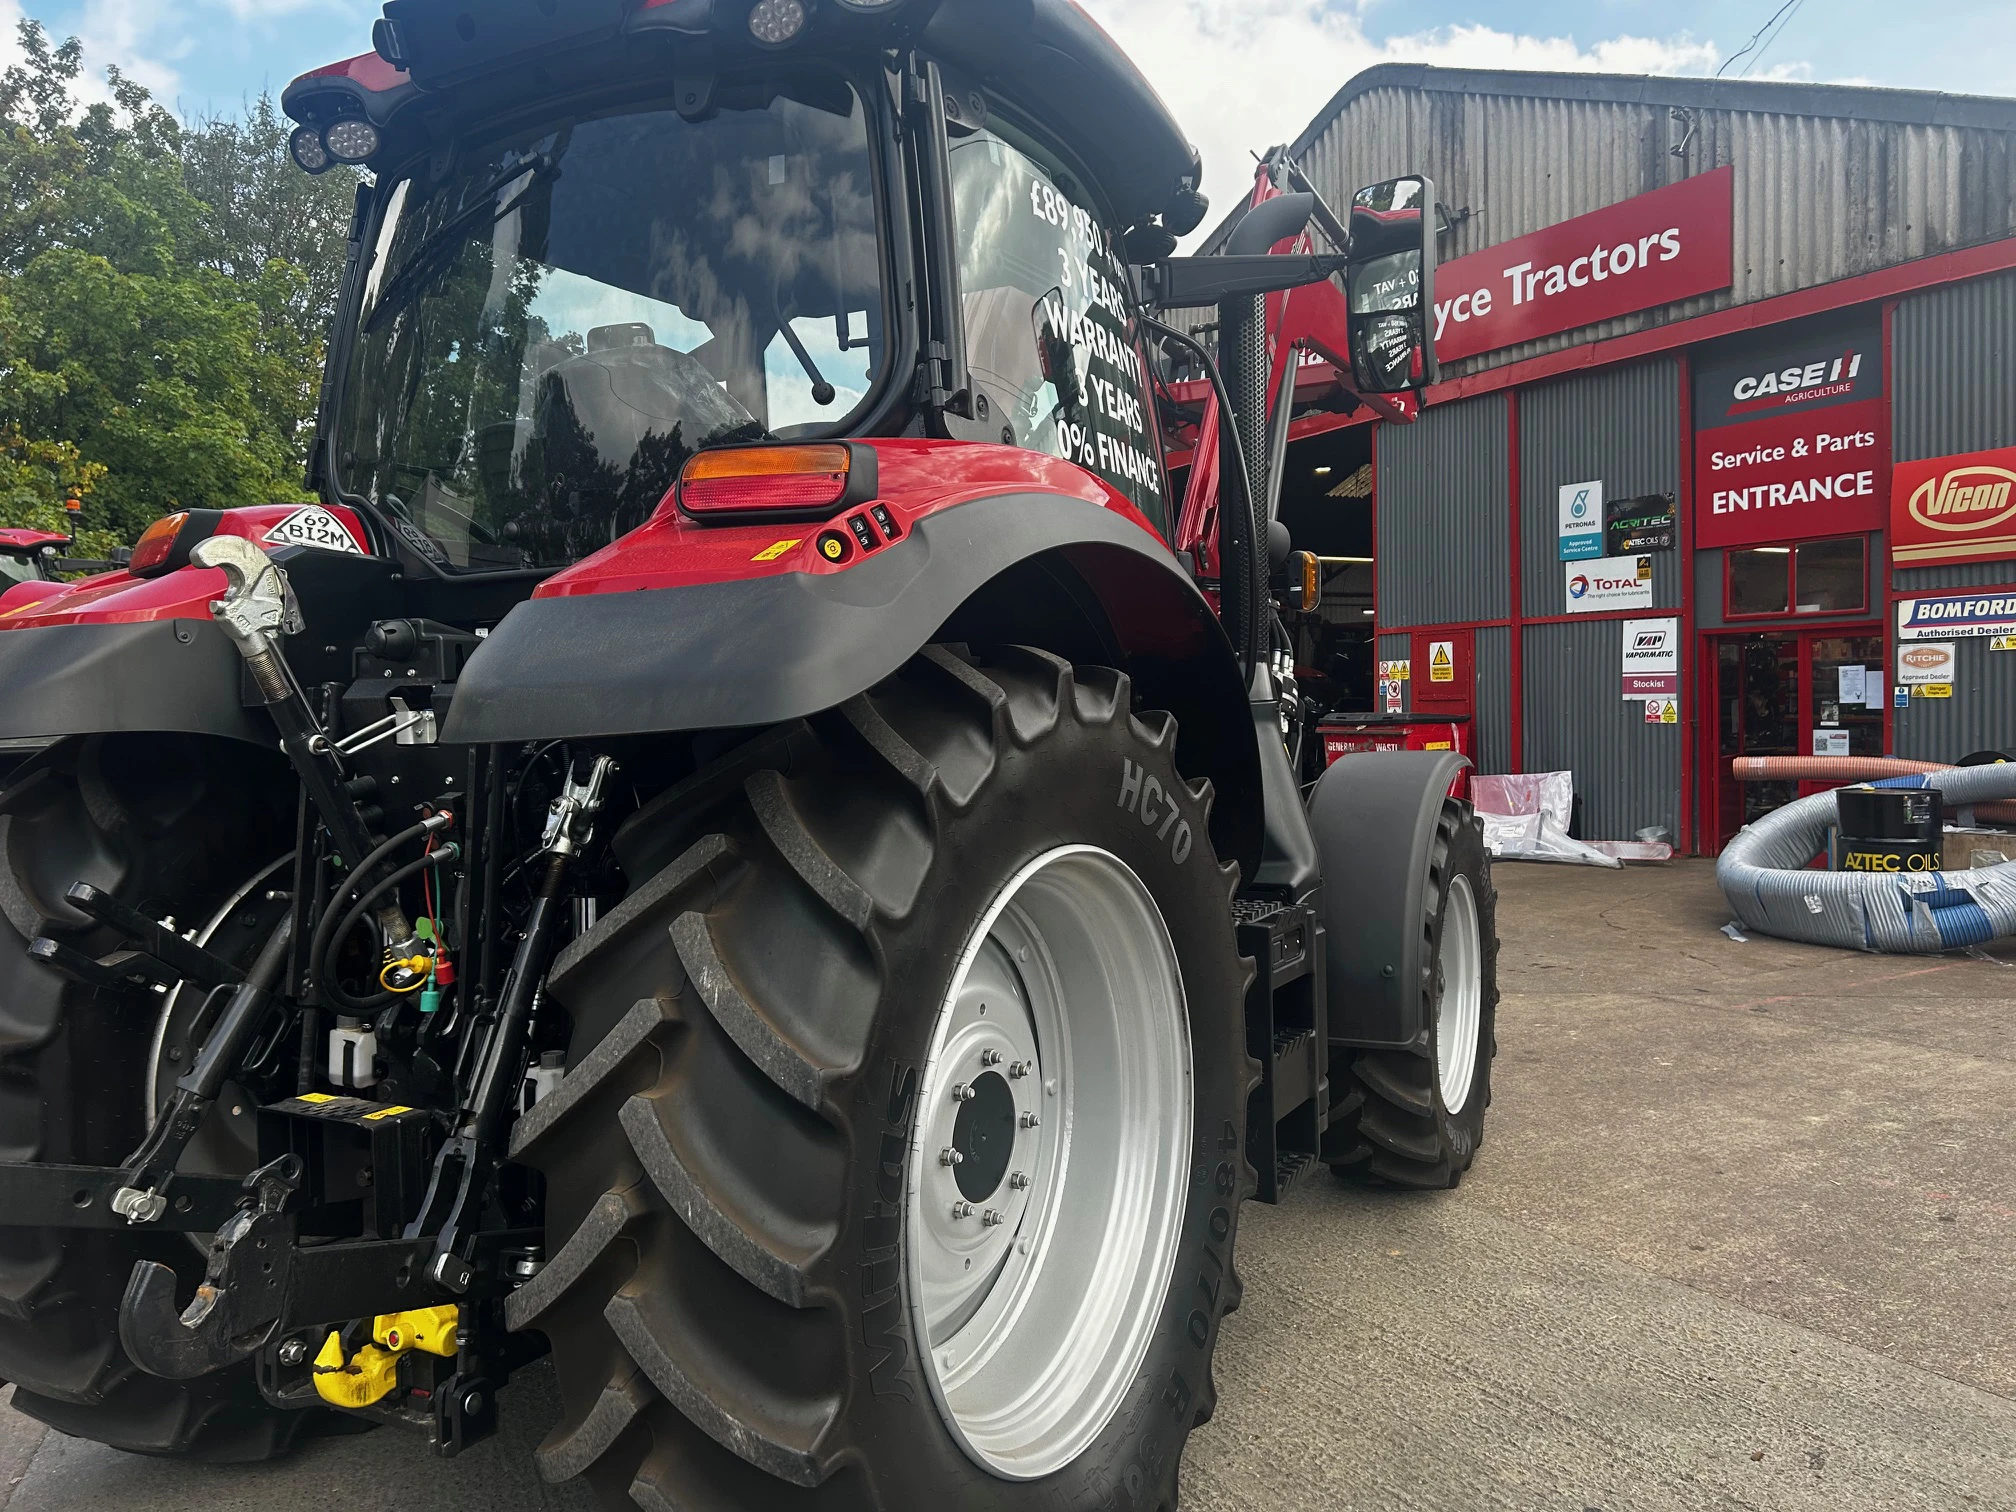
(1742,1235)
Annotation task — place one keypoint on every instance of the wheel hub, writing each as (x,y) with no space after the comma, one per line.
(1048,1175)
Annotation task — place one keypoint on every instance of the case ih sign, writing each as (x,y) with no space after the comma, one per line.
(1791,435)
(1954,509)
(1671,244)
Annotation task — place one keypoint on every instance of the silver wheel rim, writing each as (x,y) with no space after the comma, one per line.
(1035,1300)
(1462,1011)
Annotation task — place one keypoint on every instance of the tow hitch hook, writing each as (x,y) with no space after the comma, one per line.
(243,1294)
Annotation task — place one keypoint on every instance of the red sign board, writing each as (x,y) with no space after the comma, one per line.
(1954,509)
(1653,249)
(1820,473)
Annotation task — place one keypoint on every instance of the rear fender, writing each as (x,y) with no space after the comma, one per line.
(1039,568)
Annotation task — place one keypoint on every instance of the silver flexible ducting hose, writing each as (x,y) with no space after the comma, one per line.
(1763,875)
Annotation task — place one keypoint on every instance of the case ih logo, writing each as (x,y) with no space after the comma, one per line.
(1796,385)
(1965,499)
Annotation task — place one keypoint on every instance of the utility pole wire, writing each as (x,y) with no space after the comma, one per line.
(1747,46)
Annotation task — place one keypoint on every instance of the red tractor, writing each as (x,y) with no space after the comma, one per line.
(746,841)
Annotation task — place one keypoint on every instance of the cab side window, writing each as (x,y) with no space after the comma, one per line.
(1050,333)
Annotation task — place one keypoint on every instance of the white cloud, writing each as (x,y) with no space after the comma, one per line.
(1242,75)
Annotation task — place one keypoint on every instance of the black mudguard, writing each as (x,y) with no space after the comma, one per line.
(161,675)
(1374,818)
(1039,568)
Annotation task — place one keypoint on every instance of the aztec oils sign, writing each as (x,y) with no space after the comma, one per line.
(1954,509)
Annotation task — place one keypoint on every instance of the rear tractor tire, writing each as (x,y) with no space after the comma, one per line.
(898,1164)
(172,825)
(1415,1117)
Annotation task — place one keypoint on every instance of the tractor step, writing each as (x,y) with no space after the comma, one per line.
(1288,1033)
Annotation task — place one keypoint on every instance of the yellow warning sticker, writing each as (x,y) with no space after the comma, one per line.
(392,1112)
(775,550)
(1442,661)
(1933,690)
(315,1097)
(2003,643)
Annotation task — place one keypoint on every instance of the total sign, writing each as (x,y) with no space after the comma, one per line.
(1608,583)
(1653,249)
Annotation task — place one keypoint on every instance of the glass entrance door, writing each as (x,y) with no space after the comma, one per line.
(1790,693)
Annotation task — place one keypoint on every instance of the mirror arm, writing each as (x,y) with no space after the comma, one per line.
(1184,282)
(1323,215)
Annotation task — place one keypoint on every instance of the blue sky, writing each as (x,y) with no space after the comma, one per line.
(1241,73)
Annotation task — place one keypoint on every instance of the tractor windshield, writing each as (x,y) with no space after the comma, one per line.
(552,328)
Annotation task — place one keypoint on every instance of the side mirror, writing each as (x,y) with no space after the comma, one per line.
(1056,359)
(1390,286)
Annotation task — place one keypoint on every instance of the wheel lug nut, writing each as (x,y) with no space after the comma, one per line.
(962,1092)
(1018,1070)
(962,1210)
(1019,1181)
(993,1218)
(949,1156)
(1030,1120)
(990,1057)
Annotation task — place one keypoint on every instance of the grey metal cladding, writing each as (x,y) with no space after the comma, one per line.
(1491,735)
(1980,716)
(1620,424)
(1952,575)
(1628,772)
(1953,366)
(1443,494)
(1830,181)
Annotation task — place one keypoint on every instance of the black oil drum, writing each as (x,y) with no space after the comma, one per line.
(1887,829)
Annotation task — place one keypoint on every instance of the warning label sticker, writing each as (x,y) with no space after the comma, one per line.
(1442,661)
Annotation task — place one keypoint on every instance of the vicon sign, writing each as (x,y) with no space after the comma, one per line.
(1954,509)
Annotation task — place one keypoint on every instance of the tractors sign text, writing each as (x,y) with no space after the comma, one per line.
(1954,509)
(1654,249)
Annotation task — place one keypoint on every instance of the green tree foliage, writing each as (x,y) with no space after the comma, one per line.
(164,293)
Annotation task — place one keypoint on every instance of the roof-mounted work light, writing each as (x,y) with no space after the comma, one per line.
(777,22)
(306,148)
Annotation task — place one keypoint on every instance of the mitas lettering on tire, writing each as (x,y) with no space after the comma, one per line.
(805,1026)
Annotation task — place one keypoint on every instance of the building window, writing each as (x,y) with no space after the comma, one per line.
(1814,577)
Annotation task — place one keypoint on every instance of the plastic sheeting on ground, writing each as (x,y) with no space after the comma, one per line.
(1763,874)
(1526,817)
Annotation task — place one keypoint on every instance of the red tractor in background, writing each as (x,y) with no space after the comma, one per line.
(745,841)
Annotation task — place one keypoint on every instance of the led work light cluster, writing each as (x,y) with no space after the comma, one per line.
(777,23)
(317,149)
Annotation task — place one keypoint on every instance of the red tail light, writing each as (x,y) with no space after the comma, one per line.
(156,543)
(776,482)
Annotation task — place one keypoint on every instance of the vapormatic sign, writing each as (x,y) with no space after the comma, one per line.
(1608,583)
(1653,249)
(1954,509)
(1651,658)
(1791,433)
(1992,613)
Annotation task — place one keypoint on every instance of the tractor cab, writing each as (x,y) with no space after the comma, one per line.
(606,237)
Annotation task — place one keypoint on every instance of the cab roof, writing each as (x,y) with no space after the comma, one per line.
(1047,58)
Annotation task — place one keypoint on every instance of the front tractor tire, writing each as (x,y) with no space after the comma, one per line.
(899,1161)
(1415,1117)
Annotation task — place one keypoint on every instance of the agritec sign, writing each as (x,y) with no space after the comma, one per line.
(1608,583)
(1791,434)
(1954,509)
(1651,658)
(1991,613)
(1654,249)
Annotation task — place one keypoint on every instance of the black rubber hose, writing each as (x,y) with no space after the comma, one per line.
(324,927)
(325,977)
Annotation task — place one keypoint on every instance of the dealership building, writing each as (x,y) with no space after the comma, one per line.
(1721,457)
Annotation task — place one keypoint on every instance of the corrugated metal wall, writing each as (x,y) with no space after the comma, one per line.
(1628,772)
(1826,186)
(1621,425)
(1443,494)
(1953,366)
(1492,651)
(1953,359)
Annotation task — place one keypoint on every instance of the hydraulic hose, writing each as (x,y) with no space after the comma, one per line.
(1763,873)
(327,943)
(1853,769)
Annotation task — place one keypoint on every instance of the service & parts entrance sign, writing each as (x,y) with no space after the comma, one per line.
(1653,249)
(1954,509)
(1791,433)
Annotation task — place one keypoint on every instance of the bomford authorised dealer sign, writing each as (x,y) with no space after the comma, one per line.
(1944,616)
